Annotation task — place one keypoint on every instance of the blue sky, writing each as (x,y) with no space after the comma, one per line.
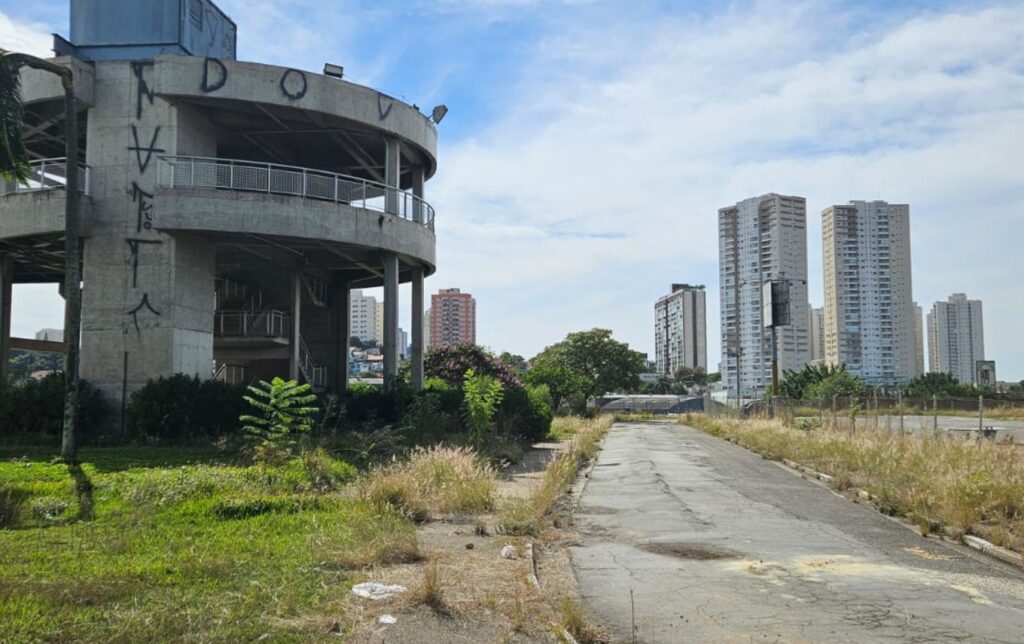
(590,143)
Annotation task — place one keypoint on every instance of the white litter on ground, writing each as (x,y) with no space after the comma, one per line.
(375,590)
(387,619)
(509,552)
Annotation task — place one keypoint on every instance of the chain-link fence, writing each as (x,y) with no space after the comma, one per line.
(975,418)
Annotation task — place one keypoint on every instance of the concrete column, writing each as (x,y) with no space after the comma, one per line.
(417,328)
(296,326)
(418,177)
(392,174)
(343,331)
(390,320)
(6,287)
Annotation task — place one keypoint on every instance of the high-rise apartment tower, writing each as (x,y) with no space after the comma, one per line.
(956,340)
(452,318)
(680,330)
(869,309)
(761,239)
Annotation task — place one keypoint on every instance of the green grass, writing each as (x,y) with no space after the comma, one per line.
(183,545)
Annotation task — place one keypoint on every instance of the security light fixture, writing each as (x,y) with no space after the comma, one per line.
(438,113)
(331,69)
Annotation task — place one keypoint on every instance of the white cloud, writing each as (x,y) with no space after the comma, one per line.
(26,37)
(645,130)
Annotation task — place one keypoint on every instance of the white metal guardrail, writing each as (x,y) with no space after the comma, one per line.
(47,174)
(253,176)
(252,324)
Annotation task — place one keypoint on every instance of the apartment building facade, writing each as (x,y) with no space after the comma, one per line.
(761,239)
(680,330)
(452,318)
(956,338)
(869,309)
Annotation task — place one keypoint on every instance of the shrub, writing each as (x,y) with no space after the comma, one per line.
(36,407)
(450,364)
(284,410)
(482,394)
(526,413)
(368,404)
(183,409)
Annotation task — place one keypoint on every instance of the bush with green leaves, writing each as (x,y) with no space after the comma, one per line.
(35,408)
(525,413)
(283,410)
(482,397)
(183,409)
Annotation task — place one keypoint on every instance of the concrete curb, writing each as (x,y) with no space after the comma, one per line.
(991,549)
(976,543)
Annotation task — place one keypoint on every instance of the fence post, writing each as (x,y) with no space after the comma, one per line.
(899,399)
(935,413)
(981,414)
(874,403)
(834,424)
(821,412)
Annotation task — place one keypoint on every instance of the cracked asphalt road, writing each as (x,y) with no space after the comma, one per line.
(720,545)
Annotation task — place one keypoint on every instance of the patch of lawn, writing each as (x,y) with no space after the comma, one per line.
(182,547)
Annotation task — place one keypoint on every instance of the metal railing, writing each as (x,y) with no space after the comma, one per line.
(231,373)
(253,176)
(47,174)
(252,324)
(315,375)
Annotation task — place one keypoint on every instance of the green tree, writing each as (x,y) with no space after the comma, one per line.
(567,388)
(937,384)
(795,384)
(284,409)
(839,383)
(603,363)
(14,165)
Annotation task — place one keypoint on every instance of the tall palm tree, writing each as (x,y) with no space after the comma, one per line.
(14,164)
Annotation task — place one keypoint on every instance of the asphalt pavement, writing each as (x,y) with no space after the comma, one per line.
(719,545)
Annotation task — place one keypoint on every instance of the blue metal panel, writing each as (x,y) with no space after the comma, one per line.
(123,29)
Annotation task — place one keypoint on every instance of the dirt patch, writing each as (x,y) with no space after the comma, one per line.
(483,596)
(694,551)
(597,509)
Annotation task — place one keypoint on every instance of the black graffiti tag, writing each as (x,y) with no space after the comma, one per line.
(294,94)
(381,109)
(144,304)
(143,208)
(143,88)
(220,76)
(134,244)
(149,150)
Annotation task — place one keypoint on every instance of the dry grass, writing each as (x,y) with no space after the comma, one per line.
(574,619)
(439,480)
(431,590)
(934,481)
(531,515)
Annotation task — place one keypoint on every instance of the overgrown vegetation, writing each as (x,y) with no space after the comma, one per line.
(282,411)
(183,546)
(183,410)
(436,480)
(934,481)
(33,410)
(532,515)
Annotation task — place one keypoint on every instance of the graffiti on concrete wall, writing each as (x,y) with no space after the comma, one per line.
(144,148)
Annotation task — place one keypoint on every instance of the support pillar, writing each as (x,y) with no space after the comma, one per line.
(418,210)
(392,175)
(6,288)
(417,328)
(294,353)
(343,329)
(390,320)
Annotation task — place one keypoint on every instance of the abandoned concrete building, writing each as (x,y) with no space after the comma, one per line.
(229,207)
